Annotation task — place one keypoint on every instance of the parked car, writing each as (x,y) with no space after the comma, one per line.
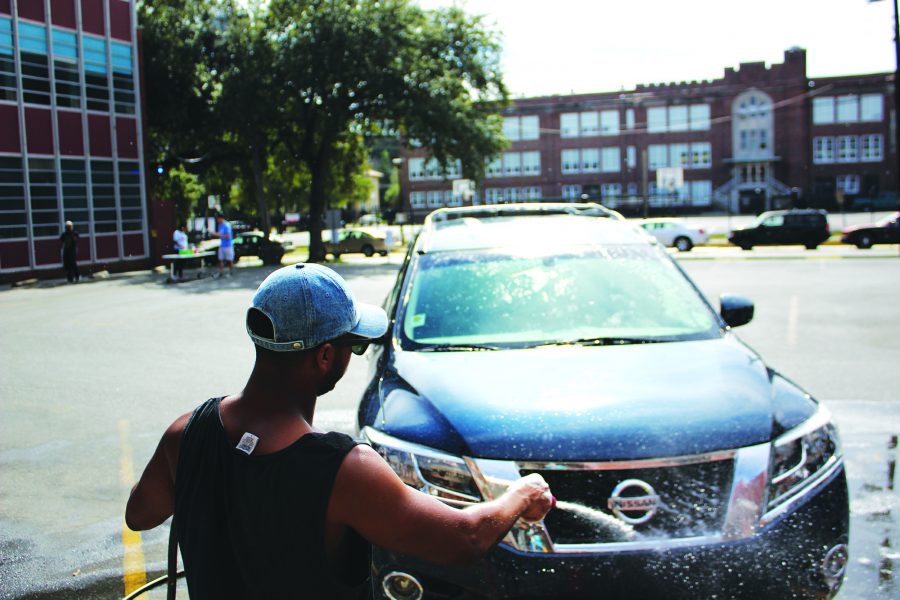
(253,243)
(883,201)
(683,465)
(675,233)
(357,240)
(808,227)
(884,231)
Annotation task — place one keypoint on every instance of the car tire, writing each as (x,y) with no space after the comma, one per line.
(383,253)
(368,250)
(746,246)
(811,246)
(864,242)
(683,244)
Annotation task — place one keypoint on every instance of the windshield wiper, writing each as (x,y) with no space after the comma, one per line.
(599,341)
(456,347)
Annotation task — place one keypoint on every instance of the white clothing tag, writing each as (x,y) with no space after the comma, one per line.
(248,443)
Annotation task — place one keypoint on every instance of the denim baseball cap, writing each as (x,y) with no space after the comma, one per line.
(309,304)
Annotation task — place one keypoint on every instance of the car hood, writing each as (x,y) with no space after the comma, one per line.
(583,403)
(861,227)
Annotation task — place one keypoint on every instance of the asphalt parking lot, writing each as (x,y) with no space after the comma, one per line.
(90,375)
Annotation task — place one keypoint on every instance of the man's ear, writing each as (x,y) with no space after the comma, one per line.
(325,355)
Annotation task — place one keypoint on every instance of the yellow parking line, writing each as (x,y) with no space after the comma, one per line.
(133,566)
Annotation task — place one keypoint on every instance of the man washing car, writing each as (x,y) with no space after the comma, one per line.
(265,504)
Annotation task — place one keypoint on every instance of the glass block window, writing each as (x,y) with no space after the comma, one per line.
(75,193)
(103,188)
(35,68)
(95,73)
(130,196)
(65,69)
(45,221)
(8,85)
(13,215)
(122,77)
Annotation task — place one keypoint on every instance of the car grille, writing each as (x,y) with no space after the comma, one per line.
(693,501)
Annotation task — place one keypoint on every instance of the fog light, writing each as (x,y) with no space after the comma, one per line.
(835,563)
(402,586)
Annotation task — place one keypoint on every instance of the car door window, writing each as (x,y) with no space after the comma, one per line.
(773,221)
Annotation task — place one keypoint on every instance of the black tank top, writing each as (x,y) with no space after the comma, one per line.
(254,526)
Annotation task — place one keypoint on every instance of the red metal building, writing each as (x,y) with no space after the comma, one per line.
(71,137)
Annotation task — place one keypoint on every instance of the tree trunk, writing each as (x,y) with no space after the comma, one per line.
(318,201)
(257,156)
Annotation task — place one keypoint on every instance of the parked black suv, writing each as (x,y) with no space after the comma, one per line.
(808,227)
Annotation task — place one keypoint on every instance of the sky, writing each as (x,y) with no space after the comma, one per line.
(579,46)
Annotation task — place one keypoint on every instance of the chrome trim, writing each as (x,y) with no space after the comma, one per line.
(649,463)
(821,418)
(654,545)
(800,464)
(749,486)
(420,591)
(812,486)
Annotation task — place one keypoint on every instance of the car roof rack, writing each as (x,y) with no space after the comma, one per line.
(583,209)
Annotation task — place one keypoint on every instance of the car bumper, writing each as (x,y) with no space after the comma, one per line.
(784,560)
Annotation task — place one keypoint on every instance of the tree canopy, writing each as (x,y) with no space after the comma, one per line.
(282,97)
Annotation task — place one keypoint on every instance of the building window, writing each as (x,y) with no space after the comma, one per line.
(512,164)
(701,155)
(417,199)
(848,184)
(657,156)
(870,148)
(847,148)
(65,69)
(611,160)
(8,84)
(823,150)
(632,189)
(416,169)
(656,119)
(629,118)
(511,128)
(493,196)
(631,157)
(434,199)
(847,108)
(13,216)
(494,168)
(529,128)
(590,160)
(103,188)
(123,78)
(871,107)
(571,162)
(679,155)
(699,117)
(609,122)
(35,69)
(95,71)
(130,196)
(701,193)
(531,193)
(823,110)
(75,196)
(694,117)
(531,163)
(590,124)
(568,125)
(44,201)
(610,190)
(571,192)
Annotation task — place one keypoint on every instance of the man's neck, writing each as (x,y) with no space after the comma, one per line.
(273,391)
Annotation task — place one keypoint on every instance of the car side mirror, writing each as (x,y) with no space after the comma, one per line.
(735,310)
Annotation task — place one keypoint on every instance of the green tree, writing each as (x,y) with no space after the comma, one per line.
(349,67)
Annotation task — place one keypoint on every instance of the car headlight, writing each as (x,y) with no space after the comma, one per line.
(802,457)
(433,472)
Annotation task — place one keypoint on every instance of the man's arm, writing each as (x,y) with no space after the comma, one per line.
(152,499)
(369,497)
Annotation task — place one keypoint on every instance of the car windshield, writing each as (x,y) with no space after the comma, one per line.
(618,294)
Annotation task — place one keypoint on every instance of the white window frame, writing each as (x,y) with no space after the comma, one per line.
(871,108)
(530,127)
(512,164)
(417,199)
(589,123)
(823,110)
(531,163)
(590,160)
(570,162)
(657,121)
(847,148)
(609,122)
(701,155)
(568,125)
(434,199)
(571,192)
(846,108)
(416,168)
(657,156)
(823,150)
(610,160)
(849,184)
(699,117)
(871,148)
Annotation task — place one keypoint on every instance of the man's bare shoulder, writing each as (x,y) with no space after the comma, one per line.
(171,438)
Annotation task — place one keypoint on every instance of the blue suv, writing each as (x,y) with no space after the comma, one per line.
(560,339)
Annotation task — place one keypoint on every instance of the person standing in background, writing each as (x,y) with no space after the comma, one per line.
(68,245)
(226,247)
(179,243)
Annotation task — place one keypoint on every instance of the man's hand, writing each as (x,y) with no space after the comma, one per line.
(536,493)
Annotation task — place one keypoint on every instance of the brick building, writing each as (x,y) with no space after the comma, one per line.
(758,138)
(71,137)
